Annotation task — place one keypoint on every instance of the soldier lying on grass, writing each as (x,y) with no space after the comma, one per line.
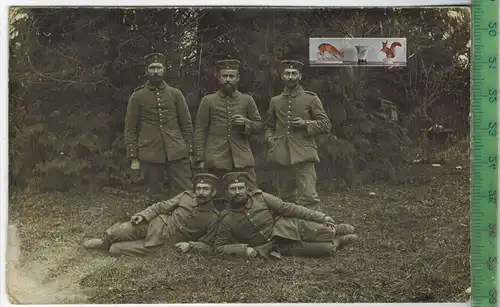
(186,217)
(258,223)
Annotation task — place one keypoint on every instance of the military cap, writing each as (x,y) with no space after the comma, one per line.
(291,64)
(235,177)
(154,58)
(205,178)
(228,64)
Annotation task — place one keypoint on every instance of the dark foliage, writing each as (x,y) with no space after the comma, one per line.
(72,71)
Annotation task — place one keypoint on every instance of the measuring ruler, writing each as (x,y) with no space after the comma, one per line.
(485,160)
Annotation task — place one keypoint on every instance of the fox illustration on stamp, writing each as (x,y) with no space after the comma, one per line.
(330,49)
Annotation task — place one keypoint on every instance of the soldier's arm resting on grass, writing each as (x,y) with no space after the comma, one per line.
(253,124)
(131,126)
(184,118)
(226,243)
(270,123)
(286,209)
(320,123)
(162,207)
(201,128)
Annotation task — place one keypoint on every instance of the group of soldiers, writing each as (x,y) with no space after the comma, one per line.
(159,137)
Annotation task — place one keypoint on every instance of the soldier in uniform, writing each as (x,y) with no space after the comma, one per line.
(224,122)
(189,220)
(294,118)
(159,132)
(257,223)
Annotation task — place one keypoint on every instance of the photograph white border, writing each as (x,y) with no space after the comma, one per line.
(299,4)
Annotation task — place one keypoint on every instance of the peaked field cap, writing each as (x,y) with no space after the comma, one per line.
(291,64)
(235,177)
(154,58)
(205,178)
(228,64)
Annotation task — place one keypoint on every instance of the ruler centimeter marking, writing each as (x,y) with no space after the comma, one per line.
(484,161)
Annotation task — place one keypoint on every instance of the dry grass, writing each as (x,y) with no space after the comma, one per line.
(414,248)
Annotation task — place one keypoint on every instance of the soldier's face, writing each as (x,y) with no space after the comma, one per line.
(291,76)
(238,192)
(204,192)
(228,78)
(155,71)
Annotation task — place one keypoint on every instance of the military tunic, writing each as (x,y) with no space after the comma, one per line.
(294,149)
(179,219)
(223,146)
(266,222)
(159,131)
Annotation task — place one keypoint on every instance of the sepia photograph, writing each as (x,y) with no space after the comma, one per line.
(203,155)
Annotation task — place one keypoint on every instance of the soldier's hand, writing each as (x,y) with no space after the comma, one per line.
(328,220)
(135,164)
(270,141)
(183,246)
(251,252)
(200,165)
(298,122)
(238,120)
(136,219)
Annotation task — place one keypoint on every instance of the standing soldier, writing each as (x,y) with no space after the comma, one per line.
(159,131)
(224,123)
(294,118)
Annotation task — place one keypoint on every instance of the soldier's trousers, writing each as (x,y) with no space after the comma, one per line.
(305,249)
(178,172)
(130,240)
(297,184)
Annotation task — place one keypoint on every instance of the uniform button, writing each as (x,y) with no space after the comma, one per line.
(161,126)
(288,133)
(158,98)
(158,103)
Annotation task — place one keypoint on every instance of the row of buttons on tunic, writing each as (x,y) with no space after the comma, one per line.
(289,112)
(229,116)
(190,216)
(255,225)
(159,110)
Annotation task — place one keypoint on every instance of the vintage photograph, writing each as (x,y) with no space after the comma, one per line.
(194,155)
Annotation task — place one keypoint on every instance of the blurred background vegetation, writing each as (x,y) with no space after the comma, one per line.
(71,72)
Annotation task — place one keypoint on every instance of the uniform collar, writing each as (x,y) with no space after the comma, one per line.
(205,207)
(162,85)
(247,206)
(296,91)
(223,95)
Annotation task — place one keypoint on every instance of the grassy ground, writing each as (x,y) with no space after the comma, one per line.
(415,247)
